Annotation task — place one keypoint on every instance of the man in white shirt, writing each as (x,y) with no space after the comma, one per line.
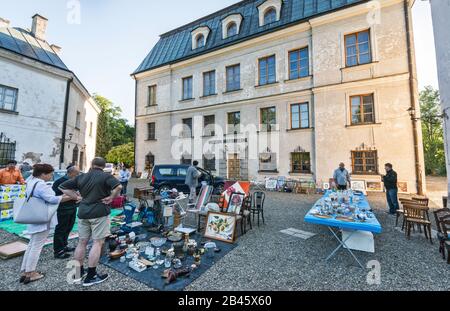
(124,177)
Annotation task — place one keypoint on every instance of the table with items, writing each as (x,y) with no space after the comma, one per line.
(349,212)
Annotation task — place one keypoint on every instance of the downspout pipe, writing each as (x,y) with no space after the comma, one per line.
(135,124)
(413,95)
(64,127)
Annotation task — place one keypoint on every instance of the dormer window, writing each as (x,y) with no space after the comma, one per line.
(231,30)
(200,41)
(231,25)
(269,12)
(200,37)
(270,16)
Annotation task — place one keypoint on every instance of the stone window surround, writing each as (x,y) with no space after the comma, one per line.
(275,4)
(204,30)
(372,41)
(348,112)
(233,18)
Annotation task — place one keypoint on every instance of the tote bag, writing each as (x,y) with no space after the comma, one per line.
(33,211)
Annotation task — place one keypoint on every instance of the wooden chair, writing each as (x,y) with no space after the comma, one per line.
(421,200)
(439,215)
(415,214)
(258,205)
(401,211)
(445,224)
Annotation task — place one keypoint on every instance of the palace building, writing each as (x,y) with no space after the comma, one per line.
(268,88)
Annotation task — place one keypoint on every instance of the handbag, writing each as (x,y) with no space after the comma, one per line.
(33,211)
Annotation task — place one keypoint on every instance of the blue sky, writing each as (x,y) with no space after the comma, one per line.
(114,36)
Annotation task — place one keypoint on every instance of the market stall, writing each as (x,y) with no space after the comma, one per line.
(350,213)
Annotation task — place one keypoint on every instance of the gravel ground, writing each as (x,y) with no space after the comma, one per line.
(266,259)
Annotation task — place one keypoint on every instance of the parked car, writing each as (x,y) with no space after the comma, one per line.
(167,177)
(109,168)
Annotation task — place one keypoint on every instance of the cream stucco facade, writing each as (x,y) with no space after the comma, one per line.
(36,124)
(330,137)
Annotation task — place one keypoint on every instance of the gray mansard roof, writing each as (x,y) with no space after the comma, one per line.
(22,42)
(175,45)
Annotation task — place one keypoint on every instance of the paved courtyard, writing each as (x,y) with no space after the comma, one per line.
(268,259)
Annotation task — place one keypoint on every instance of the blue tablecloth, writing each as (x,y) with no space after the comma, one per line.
(371,225)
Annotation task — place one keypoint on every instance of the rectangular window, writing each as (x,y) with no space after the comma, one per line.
(301,162)
(357,48)
(151,130)
(187,128)
(208,125)
(268,119)
(365,162)
(267,70)
(298,64)
(152,95)
(300,116)
(234,122)
(187,88)
(362,109)
(209,83)
(186,160)
(233,78)
(78,120)
(209,163)
(91,128)
(8,98)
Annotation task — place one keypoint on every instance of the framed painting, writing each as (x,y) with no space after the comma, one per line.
(359,185)
(402,187)
(375,186)
(326,186)
(220,227)
(271,184)
(235,204)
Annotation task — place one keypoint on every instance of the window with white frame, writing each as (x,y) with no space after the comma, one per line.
(209,83)
(269,12)
(231,25)
(8,98)
(200,37)
(187,88)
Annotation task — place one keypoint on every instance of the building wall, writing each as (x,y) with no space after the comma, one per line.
(37,126)
(331,138)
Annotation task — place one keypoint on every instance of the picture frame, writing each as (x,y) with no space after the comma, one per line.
(271,184)
(359,185)
(220,226)
(402,187)
(326,186)
(235,204)
(375,186)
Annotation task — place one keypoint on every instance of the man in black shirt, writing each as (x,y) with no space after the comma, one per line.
(390,183)
(66,213)
(98,189)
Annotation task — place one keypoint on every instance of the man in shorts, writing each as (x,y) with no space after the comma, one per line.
(98,190)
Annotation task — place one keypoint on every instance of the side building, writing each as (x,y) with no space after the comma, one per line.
(293,88)
(46,114)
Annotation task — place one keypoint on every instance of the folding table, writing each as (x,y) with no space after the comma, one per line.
(370,225)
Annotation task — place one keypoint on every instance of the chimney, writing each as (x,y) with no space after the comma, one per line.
(4,22)
(56,48)
(39,27)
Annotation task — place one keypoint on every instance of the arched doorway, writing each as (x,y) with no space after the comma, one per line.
(75,155)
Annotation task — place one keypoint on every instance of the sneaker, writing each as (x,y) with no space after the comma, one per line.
(62,255)
(97,279)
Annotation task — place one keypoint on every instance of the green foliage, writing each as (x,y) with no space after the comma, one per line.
(113,130)
(432,129)
(123,153)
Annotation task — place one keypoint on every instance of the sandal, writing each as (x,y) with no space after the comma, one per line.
(33,279)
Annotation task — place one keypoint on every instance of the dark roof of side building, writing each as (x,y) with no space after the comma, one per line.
(175,45)
(22,42)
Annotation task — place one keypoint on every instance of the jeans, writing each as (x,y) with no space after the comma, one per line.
(342,187)
(33,252)
(392,199)
(192,194)
(66,221)
(124,187)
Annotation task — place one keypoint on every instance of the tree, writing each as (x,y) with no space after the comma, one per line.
(112,129)
(122,153)
(432,129)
